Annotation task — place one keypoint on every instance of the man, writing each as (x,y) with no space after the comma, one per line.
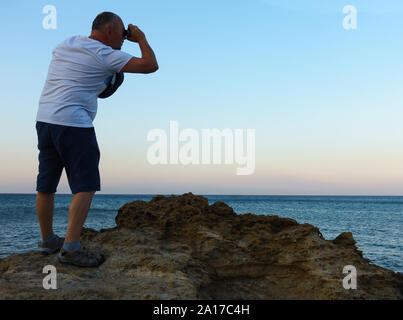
(78,73)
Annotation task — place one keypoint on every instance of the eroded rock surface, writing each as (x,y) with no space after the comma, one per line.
(180,247)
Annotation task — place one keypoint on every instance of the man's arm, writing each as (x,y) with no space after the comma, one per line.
(148,62)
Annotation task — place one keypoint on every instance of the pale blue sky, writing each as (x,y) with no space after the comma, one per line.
(326,102)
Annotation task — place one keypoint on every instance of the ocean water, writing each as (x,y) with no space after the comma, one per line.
(376,222)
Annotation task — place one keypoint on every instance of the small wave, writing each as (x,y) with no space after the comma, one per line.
(91,209)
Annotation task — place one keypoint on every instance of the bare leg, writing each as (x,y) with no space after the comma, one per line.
(78,211)
(44,211)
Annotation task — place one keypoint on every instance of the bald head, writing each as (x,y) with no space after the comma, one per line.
(108,28)
(103,19)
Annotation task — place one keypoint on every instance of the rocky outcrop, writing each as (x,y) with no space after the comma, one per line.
(180,247)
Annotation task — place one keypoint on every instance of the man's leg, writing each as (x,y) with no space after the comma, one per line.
(44,211)
(79,150)
(78,211)
(50,170)
(72,252)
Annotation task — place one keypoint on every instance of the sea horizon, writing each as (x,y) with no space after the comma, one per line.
(217,194)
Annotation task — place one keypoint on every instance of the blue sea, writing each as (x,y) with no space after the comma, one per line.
(376,222)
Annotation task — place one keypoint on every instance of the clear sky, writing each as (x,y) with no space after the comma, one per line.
(326,102)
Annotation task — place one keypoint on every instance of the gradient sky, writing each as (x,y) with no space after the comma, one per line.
(326,103)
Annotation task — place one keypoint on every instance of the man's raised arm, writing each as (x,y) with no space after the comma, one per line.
(147,63)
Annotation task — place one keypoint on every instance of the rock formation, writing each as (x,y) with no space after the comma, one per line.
(180,247)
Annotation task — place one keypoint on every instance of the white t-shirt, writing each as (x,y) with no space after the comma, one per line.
(78,73)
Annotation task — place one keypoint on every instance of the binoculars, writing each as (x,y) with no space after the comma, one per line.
(126,33)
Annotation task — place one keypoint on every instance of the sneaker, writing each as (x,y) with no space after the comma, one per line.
(81,258)
(52,246)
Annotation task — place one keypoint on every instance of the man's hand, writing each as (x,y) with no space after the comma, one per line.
(136,34)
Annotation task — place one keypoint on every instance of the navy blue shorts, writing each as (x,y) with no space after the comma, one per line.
(73,148)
